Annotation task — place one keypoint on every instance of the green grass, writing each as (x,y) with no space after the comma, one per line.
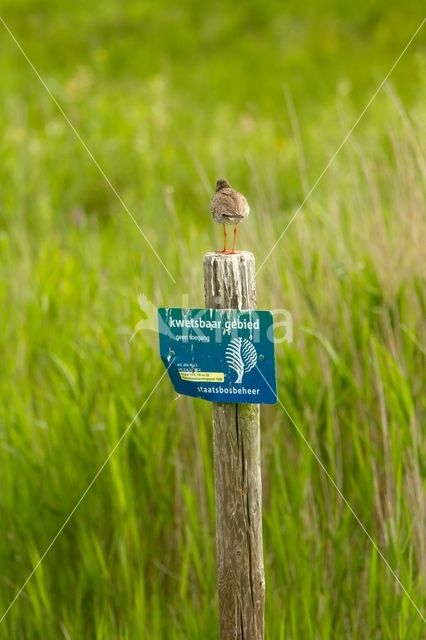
(169,97)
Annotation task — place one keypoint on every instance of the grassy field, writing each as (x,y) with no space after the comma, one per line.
(168,97)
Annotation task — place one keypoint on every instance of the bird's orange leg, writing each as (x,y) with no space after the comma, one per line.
(224,240)
(233,243)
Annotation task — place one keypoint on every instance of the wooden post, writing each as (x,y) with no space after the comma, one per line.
(229,283)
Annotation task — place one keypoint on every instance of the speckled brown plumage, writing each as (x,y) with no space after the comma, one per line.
(228,206)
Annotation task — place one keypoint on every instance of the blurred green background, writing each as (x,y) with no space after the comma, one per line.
(168,97)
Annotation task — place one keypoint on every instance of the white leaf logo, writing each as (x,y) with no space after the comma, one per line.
(149,323)
(241,356)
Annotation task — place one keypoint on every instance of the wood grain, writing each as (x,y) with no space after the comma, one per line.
(229,282)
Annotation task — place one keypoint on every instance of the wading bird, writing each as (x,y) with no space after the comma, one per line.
(228,207)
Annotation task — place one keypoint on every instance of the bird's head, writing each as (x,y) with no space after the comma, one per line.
(222,184)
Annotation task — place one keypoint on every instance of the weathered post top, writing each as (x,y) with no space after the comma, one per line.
(230,280)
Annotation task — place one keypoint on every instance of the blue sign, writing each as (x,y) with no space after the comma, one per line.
(221,355)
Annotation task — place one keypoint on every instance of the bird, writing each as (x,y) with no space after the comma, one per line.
(228,206)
